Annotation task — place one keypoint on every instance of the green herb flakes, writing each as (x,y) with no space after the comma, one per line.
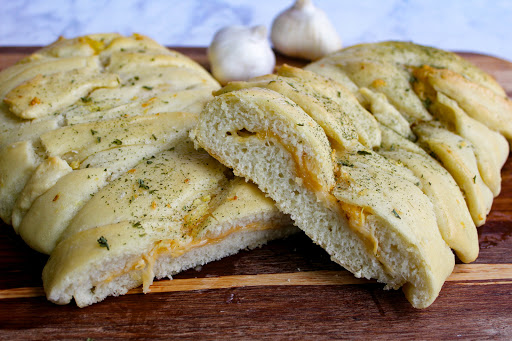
(396,214)
(103,242)
(142,184)
(345,163)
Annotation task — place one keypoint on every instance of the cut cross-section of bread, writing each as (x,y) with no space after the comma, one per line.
(365,211)
(111,259)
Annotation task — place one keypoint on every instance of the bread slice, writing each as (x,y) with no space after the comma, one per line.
(17,162)
(389,79)
(490,147)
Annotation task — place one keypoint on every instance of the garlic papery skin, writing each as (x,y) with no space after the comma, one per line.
(239,53)
(304,31)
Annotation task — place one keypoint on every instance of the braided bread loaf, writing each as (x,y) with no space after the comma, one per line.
(387,155)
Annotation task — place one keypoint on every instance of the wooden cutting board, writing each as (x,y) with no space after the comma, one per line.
(286,290)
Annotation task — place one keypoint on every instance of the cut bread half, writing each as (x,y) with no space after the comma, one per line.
(415,181)
(97,170)
(364,210)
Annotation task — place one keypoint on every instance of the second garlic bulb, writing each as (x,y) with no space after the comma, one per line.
(304,31)
(238,53)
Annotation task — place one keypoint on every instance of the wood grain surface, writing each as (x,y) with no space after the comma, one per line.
(288,289)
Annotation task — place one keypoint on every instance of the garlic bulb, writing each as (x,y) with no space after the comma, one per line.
(239,53)
(304,31)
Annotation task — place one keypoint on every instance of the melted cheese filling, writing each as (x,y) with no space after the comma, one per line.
(302,170)
(356,217)
(177,248)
